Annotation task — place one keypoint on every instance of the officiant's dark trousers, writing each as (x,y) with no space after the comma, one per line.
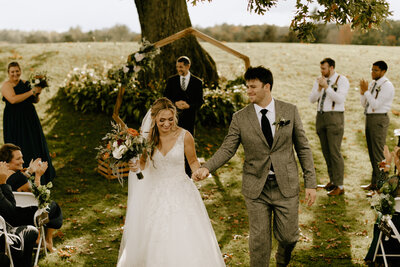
(285,225)
(330,129)
(376,126)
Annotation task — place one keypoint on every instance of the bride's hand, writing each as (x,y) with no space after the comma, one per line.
(134,165)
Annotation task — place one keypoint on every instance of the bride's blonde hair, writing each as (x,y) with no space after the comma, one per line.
(159,105)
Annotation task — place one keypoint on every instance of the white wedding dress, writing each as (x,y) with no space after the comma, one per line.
(166,223)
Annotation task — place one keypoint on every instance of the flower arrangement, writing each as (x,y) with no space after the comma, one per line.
(39,79)
(120,146)
(41,192)
(280,123)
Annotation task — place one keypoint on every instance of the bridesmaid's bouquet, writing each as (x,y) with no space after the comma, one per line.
(41,192)
(39,79)
(121,145)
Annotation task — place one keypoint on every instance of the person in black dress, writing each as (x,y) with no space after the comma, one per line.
(186,92)
(21,125)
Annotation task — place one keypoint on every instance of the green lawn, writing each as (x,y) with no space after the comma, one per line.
(335,231)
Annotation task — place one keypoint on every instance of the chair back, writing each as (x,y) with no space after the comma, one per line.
(25,199)
(7,240)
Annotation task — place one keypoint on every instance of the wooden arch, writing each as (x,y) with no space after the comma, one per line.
(171,39)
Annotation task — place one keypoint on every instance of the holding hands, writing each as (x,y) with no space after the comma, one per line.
(134,165)
(200,174)
(322,83)
(182,104)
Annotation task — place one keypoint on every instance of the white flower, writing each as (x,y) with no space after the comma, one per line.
(139,57)
(137,68)
(125,69)
(119,152)
(128,142)
(115,144)
(37,81)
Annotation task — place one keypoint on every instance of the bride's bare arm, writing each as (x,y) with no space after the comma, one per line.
(190,152)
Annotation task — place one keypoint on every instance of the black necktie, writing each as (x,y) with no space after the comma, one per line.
(266,127)
(267,131)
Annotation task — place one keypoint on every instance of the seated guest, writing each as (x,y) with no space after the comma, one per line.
(24,239)
(17,177)
(387,182)
(18,216)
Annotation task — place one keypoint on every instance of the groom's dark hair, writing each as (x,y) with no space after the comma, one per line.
(261,73)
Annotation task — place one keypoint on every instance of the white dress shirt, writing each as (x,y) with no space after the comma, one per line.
(270,114)
(187,78)
(383,102)
(338,97)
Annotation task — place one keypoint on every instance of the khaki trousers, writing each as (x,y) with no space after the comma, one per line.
(330,129)
(285,225)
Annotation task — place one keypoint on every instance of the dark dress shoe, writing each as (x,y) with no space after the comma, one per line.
(369,187)
(329,186)
(336,192)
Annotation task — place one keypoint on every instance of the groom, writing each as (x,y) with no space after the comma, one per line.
(268,129)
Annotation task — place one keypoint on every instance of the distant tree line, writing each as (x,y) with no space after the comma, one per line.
(118,33)
(330,33)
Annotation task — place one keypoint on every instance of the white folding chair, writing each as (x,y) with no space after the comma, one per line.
(7,240)
(27,199)
(395,236)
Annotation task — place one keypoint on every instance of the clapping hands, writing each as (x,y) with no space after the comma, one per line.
(200,174)
(3,172)
(37,166)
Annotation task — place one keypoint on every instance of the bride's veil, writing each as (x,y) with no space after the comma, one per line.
(146,124)
(134,196)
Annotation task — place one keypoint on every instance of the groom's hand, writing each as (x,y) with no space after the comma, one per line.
(200,174)
(311,195)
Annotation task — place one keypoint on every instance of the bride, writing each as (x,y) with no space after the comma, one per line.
(166,222)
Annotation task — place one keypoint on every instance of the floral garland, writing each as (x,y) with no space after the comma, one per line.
(41,192)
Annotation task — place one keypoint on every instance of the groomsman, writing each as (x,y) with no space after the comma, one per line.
(330,91)
(376,98)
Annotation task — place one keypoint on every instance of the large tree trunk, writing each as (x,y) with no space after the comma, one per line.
(162,18)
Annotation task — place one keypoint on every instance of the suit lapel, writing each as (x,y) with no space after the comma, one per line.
(278,114)
(255,123)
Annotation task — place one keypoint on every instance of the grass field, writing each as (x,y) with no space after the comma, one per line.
(334,231)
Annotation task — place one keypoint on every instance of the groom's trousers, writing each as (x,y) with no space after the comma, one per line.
(285,225)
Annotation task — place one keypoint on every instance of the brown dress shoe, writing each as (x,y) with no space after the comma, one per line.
(336,192)
(369,187)
(329,186)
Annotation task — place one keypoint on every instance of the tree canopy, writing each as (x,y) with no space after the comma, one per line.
(359,14)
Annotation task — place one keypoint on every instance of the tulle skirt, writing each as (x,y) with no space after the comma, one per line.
(167,225)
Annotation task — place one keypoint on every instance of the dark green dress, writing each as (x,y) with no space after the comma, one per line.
(21,127)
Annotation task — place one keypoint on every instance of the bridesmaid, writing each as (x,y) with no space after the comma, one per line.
(21,125)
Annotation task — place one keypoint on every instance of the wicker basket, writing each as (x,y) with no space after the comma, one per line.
(104,169)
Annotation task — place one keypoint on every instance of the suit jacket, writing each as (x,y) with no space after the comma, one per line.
(245,129)
(193,96)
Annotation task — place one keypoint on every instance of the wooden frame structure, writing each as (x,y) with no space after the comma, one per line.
(103,167)
(171,39)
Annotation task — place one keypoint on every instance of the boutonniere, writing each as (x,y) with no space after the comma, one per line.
(334,87)
(280,123)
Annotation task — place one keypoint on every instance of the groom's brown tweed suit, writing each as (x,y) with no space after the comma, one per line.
(263,196)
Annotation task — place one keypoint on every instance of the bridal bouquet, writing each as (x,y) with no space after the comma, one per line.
(39,79)
(41,192)
(121,145)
